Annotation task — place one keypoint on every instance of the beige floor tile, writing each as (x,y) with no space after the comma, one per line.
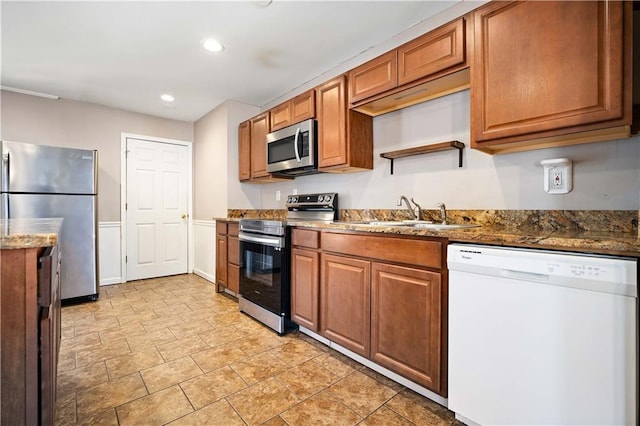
(262,401)
(162,322)
(337,363)
(135,317)
(220,335)
(259,367)
(96,325)
(182,347)
(218,357)
(212,386)
(382,379)
(149,305)
(124,365)
(420,410)
(170,373)
(258,343)
(156,409)
(66,361)
(155,337)
(321,409)
(385,417)
(102,352)
(200,314)
(66,410)
(122,332)
(80,379)
(275,421)
(306,379)
(361,393)
(86,341)
(174,307)
(68,331)
(105,417)
(189,328)
(296,352)
(217,414)
(110,394)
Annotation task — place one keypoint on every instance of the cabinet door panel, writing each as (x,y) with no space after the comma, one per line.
(345,302)
(332,111)
(410,345)
(244,151)
(373,77)
(259,130)
(233,278)
(304,288)
(543,66)
(303,107)
(435,51)
(221,260)
(280,116)
(233,250)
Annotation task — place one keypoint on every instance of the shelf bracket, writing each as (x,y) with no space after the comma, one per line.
(425,149)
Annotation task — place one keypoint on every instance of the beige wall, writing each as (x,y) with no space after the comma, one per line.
(216,160)
(76,124)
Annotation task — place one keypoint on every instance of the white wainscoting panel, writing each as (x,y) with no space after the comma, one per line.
(109,253)
(204,236)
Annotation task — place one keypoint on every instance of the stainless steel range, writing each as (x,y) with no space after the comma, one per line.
(265,258)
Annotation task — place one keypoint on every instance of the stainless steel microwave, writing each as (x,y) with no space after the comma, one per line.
(292,151)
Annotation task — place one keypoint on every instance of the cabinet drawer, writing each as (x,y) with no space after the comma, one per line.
(425,253)
(305,238)
(221,227)
(232,229)
(233,250)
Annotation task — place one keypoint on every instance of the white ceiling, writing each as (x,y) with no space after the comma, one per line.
(126,54)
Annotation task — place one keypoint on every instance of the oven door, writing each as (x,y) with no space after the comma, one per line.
(263,270)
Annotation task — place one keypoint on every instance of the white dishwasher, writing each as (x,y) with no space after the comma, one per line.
(542,338)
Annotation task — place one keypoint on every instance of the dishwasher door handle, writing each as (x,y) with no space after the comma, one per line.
(523,275)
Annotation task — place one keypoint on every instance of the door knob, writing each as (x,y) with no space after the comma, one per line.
(184,216)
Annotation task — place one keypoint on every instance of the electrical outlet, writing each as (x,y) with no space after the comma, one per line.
(295,191)
(557,176)
(277,195)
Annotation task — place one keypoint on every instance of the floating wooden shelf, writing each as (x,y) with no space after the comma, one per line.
(425,149)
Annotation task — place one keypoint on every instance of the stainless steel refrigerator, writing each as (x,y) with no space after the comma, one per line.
(38,181)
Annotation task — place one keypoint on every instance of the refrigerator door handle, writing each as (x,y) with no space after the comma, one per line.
(5,172)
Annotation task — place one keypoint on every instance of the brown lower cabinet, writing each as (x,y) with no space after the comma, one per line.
(227,256)
(380,296)
(30,335)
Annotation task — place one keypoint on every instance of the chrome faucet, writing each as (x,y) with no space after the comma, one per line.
(443,212)
(416,210)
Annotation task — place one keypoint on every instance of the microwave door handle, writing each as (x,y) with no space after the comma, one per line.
(295,145)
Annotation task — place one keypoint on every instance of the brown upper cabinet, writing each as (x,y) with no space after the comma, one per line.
(550,74)
(244,151)
(427,67)
(300,108)
(345,137)
(252,150)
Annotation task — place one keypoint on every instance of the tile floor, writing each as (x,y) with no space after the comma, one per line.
(173,351)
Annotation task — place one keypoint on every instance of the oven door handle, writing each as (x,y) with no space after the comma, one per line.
(268,241)
(295,145)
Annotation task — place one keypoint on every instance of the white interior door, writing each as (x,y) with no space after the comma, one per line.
(156,209)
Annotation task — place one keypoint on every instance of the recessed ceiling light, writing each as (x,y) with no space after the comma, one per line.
(167,98)
(212,45)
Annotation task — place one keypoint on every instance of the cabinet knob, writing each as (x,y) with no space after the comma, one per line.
(184,215)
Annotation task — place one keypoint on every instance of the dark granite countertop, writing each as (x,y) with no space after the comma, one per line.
(613,243)
(29,233)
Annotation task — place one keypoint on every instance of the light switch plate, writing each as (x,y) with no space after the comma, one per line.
(558,175)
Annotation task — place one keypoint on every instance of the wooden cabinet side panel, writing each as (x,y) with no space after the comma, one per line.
(244,151)
(543,66)
(303,107)
(331,110)
(406,322)
(259,130)
(305,286)
(345,302)
(437,50)
(376,76)
(360,140)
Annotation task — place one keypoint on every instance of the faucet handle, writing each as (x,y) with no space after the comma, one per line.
(441,206)
(416,204)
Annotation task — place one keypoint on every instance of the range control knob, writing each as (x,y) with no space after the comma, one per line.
(321,198)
